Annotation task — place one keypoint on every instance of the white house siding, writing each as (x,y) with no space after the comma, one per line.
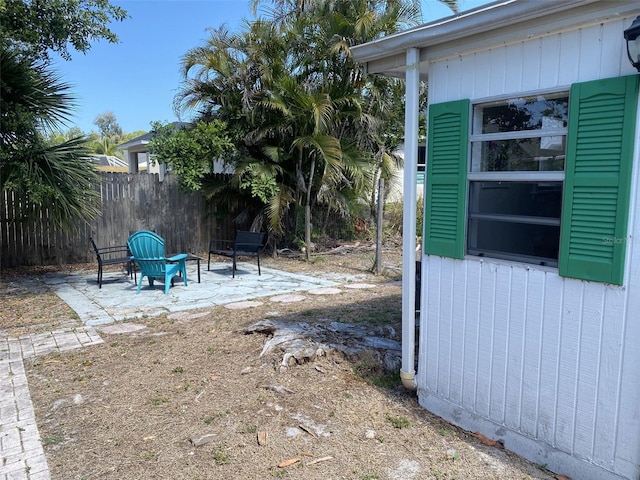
(551,365)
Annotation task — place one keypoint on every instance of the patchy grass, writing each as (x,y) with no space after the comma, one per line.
(398,422)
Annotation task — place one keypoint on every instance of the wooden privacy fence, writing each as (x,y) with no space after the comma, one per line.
(130,202)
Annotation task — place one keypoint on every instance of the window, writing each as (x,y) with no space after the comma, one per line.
(422,155)
(539,186)
(516,174)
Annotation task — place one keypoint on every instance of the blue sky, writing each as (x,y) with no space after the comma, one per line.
(138,78)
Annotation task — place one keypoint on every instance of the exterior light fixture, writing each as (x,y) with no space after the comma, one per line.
(632,36)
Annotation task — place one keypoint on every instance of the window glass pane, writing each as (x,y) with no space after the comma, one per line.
(514,241)
(522,154)
(540,112)
(533,199)
(515,220)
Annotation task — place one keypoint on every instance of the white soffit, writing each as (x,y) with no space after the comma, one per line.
(494,24)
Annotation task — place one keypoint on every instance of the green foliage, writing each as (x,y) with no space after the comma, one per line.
(157,401)
(131,135)
(56,138)
(309,129)
(108,126)
(37,162)
(419,216)
(370,476)
(94,143)
(148,455)
(59,176)
(190,151)
(33,98)
(36,27)
(110,136)
(249,429)
(393,213)
(371,370)
(105,146)
(52,440)
(259,181)
(393,216)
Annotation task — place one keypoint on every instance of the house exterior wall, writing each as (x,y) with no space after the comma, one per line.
(546,363)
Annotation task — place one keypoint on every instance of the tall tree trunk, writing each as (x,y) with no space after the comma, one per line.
(307,212)
(307,230)
(377,267)
(372,200)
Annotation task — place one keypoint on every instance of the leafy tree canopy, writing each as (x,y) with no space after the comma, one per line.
(190,151)
(37,27)
(108,126)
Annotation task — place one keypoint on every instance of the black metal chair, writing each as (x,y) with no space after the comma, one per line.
(114,255)
(246,244)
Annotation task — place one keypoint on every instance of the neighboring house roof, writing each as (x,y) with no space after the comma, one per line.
(476,29)
(134,142)
(109,163)
(140,143)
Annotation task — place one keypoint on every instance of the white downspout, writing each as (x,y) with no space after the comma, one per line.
(412,92)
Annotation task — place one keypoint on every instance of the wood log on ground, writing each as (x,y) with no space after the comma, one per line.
(302,342)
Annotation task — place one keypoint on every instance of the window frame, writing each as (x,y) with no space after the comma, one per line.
(510,176)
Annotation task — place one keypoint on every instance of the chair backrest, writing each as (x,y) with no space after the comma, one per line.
(95,247)
(249,241)
(147,249)
(145,244)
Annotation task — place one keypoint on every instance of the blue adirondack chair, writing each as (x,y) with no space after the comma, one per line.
(147,249)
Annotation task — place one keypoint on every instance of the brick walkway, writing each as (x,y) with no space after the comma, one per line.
(21,452)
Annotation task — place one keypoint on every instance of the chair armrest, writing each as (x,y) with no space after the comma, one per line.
(177,258)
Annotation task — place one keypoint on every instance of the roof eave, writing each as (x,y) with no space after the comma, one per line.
(490,17)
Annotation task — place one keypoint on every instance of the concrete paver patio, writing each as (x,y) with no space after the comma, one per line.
(117,300)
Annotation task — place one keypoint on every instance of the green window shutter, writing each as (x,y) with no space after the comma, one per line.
(597,184)
(445,193)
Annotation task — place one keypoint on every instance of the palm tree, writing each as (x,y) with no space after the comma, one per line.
(299,109)
(302,138)
(225,79)
(379,101)
(105,146)
(56,178)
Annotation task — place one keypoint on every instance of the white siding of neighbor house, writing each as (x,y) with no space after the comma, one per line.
(550,364)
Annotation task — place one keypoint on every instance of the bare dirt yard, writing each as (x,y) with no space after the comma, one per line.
(191,397)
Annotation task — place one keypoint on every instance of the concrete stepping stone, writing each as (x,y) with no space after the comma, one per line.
(359,285)
(115,328)
(288,298)
(186,315)
(324,291)
(243,305)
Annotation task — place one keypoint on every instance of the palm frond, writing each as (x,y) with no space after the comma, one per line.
(57,178)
